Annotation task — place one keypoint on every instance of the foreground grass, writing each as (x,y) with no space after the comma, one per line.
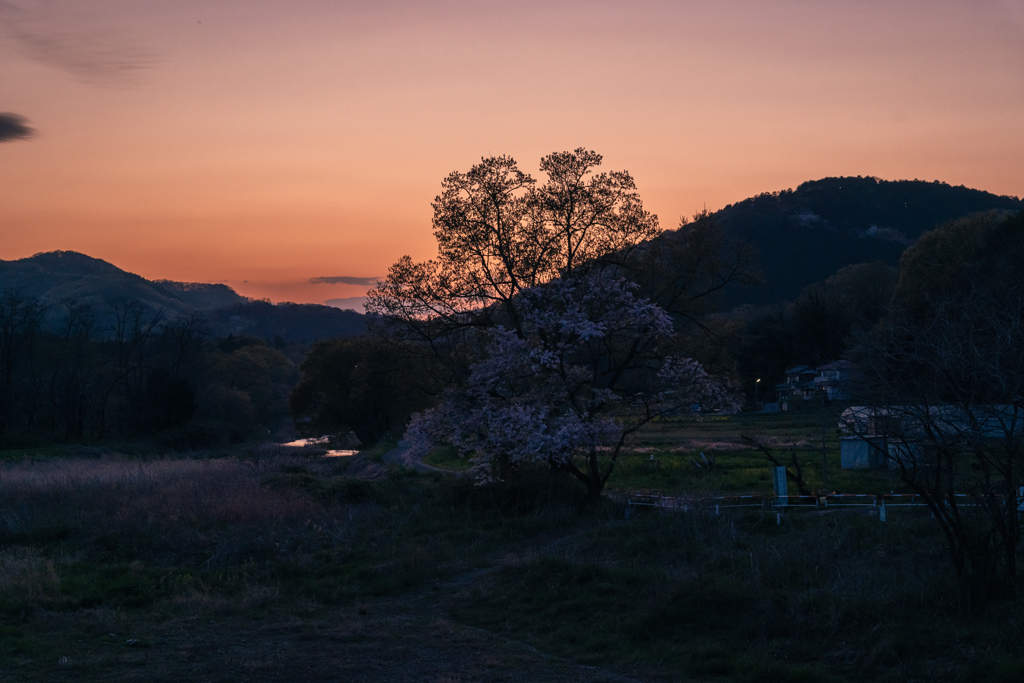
(256,568)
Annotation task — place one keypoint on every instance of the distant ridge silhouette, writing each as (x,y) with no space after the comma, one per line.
(56,276)
(807,234)
(803,235)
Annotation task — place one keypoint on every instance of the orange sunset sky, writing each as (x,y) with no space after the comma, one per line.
(263,143)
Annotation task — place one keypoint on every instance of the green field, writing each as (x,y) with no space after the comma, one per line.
(661,459)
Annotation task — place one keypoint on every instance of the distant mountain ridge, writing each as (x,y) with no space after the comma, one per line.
(203,295)
(807,234)
(803,235)
(56,276)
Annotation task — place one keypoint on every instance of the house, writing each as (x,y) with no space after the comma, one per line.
(835,378)
(799,385)
(830,381)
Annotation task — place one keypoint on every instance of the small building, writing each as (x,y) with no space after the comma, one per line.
(862,453)
(854,420)
(909,454)
(945,421)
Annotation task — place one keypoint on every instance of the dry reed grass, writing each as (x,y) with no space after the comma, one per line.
(169,512)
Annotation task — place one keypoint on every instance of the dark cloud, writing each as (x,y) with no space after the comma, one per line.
(344,280)
(14,127)
(71,37)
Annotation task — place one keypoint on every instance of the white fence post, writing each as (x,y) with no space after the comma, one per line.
(781,486)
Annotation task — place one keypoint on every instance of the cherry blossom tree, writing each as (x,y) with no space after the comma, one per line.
(549,353)
(589,365)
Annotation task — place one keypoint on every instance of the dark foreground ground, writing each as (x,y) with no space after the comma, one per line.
(269,567)
(406,639)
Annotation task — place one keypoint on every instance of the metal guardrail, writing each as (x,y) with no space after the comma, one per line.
(688,503)
(832,500)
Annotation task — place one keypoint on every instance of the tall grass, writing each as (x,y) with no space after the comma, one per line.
(819,596)
(180,506)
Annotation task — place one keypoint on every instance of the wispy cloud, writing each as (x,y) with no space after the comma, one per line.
(63,35)
(14,127)
(344,280)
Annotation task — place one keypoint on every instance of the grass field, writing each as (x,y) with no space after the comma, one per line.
(661,458)
(676,445)
(260,565)
(270,567)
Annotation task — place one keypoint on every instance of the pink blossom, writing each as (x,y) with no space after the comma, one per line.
(586,374)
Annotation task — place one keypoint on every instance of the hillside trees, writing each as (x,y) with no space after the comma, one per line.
(241,387)
(65,376)
(805,235)
(688,272)
(20,319)
(685,271)
(550,354)
(819,326)
(370,385)
(135,325)
(66,371)
(980,250)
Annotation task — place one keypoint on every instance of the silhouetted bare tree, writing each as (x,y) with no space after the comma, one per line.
(946,375)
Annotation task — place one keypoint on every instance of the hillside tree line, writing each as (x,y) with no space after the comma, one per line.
(142,377)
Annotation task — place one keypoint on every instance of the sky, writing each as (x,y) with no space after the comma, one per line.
(292,149)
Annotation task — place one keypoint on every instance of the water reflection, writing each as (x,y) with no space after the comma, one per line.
(319,441)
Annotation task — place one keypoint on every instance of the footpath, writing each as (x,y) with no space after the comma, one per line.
(402,457)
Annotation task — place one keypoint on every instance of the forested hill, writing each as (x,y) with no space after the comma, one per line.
(56,277)
(807,234)
(287,321)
